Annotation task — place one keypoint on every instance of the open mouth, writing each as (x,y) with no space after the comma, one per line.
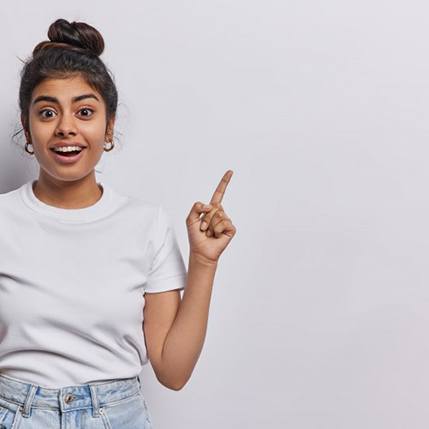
(68,153)
(67,157)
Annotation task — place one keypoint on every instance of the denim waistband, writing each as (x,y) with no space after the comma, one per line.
(22,395)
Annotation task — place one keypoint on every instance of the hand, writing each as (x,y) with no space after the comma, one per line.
(208,243)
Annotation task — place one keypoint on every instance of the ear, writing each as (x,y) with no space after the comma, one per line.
(109,128)
(24,126)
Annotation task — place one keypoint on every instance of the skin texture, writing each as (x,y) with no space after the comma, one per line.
(84,121)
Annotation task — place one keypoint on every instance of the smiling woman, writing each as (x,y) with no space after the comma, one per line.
(97,295)
(67,130)
(67,334)
(68,103)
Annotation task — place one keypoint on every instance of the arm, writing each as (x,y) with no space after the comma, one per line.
(175,329)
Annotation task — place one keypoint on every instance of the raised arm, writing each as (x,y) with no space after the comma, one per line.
(175,328)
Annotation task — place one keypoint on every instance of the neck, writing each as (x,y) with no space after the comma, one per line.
(68,194)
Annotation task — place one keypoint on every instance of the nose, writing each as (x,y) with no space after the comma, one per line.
(65,126)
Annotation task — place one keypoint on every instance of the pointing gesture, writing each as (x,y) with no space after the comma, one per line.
(220,190)
(211,233)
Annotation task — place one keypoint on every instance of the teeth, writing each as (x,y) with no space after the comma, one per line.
(67,149)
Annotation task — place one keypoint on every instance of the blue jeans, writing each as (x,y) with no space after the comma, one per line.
(117,404)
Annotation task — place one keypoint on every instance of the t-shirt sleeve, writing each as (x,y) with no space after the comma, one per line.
(168,269)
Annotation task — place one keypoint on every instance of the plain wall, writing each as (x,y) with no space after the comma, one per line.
(320,305)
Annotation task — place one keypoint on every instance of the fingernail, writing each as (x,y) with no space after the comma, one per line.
(204,226)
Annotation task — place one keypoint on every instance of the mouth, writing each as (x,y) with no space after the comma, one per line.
(67,157)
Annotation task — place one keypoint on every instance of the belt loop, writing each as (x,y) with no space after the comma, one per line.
(26,409)
(94,399)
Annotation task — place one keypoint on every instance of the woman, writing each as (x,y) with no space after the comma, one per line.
(83,266)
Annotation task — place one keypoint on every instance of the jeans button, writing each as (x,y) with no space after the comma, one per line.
(68,398)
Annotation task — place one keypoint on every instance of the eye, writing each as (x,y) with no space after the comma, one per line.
(87,109)
(45,110)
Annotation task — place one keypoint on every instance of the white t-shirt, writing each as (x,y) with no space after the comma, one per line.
(72,284)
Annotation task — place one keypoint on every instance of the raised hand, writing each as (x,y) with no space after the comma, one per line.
(211,233)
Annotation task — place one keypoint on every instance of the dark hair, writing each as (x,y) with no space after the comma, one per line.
(73,49)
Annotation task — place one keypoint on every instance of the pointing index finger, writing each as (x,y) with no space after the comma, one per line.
(221,187)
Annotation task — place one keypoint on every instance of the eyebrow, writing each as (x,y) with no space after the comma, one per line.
(55,99)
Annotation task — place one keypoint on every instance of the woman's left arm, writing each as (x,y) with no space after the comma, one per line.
(184,340)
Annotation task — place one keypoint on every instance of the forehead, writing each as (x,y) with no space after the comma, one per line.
(64,89)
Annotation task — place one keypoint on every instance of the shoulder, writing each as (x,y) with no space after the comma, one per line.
(10,199)
(157,211)
(134,204)
(10,194)
(142,214)
(12,212)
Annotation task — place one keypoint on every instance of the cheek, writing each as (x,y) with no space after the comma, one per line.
(40,135)
(41,131)
(93,132)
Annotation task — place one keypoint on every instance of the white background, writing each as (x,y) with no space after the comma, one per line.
(319,311)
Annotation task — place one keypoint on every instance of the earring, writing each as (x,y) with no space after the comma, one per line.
(111,146)
(26,147)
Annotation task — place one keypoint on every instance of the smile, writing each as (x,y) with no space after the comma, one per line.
(69,157)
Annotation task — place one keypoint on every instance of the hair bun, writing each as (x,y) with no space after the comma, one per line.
(78,34)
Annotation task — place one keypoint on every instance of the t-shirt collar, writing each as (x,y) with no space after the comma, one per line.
(95,211)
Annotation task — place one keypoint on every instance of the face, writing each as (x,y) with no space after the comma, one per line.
(67,111)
